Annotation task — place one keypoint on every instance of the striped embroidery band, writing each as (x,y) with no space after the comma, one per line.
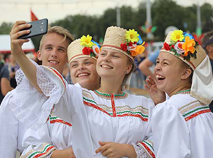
(121,111)
(147,147)
(45,150)
(193,109)
(55,119)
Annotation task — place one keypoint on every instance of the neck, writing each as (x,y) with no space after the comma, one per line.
(181,88)
(92,87)
(110,87)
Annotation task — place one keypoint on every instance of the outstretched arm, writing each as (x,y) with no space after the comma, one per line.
(26,65)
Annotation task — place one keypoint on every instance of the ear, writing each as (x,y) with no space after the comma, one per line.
(39,55)
(129,68)
(186,73)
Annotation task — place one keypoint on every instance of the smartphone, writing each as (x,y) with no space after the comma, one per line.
(37,28)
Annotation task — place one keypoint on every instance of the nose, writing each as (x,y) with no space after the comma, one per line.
(157,67)
(81,67)
(54,53)
(107,58)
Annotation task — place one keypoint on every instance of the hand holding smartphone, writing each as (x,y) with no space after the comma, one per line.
(37,28)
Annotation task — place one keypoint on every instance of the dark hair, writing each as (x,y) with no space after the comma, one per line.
(207,39)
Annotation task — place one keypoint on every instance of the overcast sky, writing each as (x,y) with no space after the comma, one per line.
(12,10)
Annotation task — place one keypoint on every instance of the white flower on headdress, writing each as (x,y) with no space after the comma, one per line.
(132,47)
(178,47)
(96,49)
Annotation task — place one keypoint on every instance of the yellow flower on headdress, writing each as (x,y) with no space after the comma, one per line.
(177,35)
(132,36)
(86,41)
(188,45)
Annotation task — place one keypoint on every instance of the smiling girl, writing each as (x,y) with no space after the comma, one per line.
(106,122)
(182,125)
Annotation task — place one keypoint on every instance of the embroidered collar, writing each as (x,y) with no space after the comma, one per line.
(108,96)
(186,91)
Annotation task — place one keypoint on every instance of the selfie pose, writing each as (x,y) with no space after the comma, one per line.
(106,122)
(57,133)
(53,53)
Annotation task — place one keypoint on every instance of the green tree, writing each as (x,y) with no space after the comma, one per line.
(166,13)
(5,28)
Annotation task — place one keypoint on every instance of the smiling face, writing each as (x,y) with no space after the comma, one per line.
(113,65)
(53,51)
(172,75)
(83,71)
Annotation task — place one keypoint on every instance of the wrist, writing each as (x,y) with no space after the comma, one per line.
(130,151)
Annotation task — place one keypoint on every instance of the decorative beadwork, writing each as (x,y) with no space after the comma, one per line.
(108,96)
(186,91)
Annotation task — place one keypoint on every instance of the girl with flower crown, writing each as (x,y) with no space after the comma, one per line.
(182,126)
(106,122)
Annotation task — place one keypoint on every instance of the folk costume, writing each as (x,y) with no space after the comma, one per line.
(182,125)
(95,116)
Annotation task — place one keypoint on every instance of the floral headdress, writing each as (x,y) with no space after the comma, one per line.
(182,44)
(134,43)
(83,47)
(91,47)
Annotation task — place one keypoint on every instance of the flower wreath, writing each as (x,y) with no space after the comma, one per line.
(91,47)
(182,44)
(134,43)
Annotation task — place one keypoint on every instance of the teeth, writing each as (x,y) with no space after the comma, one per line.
(159,76)
(84,74)
(106,66)
(54,62)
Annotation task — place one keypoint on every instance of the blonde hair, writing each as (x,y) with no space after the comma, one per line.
(60,31)
(129,62)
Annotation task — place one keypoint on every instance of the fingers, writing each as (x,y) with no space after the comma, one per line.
(103,143)
(102,148)
(150,82)
(146,87)
(19,29)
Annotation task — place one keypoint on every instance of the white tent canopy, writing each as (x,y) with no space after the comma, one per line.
(5,45)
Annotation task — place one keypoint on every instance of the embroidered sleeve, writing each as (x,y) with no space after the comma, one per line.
(32,107)
(41,150)
(144,149)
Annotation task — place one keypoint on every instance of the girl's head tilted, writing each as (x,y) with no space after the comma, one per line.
(82,57)
(117,53)
(182,64)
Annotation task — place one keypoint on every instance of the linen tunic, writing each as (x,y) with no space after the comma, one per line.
(182,128)
(55,134)
(121,118)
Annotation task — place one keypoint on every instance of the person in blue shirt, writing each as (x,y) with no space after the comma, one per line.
(145,65)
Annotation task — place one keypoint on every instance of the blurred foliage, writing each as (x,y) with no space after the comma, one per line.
(5,28)
(164,13)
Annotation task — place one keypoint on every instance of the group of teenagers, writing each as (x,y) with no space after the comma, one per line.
(44,116)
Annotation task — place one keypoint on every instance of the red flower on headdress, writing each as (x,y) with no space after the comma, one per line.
(166,46)
(130,44)
(87,50)
(124,47)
